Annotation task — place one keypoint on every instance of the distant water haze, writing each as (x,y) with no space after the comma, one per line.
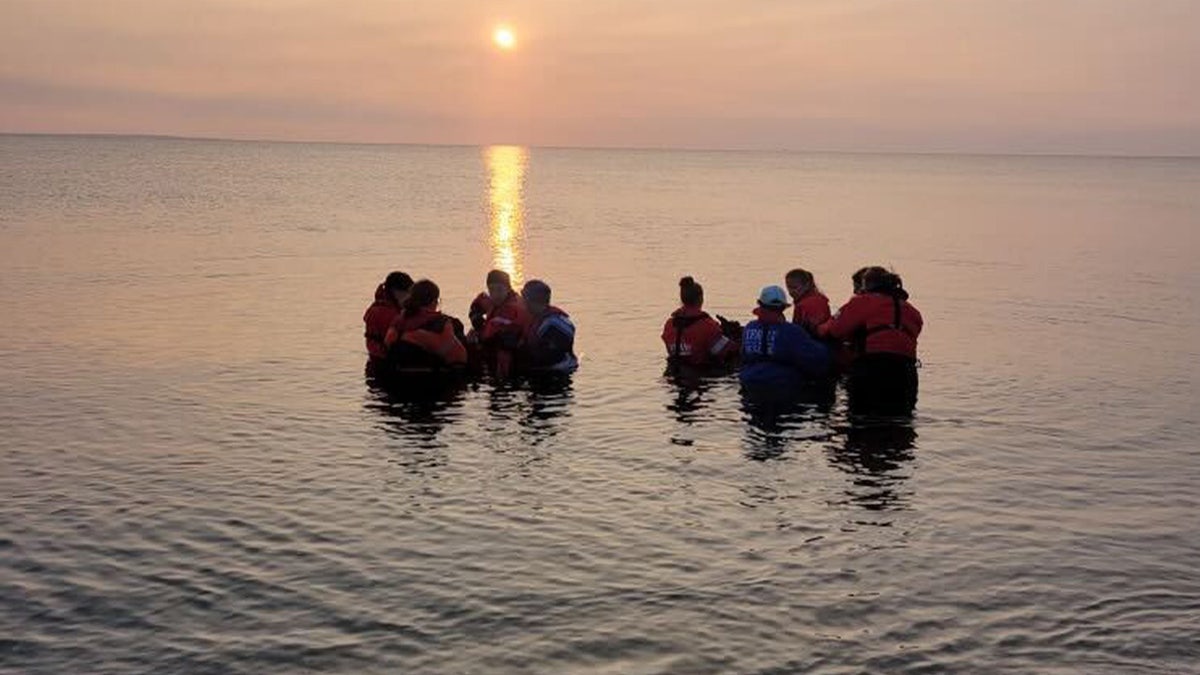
(1070,76)
(198,478)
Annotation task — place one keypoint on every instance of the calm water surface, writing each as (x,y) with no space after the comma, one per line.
(197,478)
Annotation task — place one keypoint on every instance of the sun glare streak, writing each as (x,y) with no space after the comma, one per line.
(506,187)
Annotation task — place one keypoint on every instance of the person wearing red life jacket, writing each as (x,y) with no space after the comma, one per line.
(844,352)
(810,307)
(856,279)
(692,337)
(389,298)
(423,339)
(884,327)
(499,321)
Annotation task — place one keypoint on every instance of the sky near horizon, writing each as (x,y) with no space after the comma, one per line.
(1071,76)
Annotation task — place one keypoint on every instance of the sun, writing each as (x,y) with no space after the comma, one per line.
(504,38)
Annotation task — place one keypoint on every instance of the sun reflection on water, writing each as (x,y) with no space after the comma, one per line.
(506,174)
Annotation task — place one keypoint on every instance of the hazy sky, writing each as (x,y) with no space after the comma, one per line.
(1101,76)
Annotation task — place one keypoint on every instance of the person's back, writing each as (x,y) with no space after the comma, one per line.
(812,310)
(878,323)
(883,327)
(422,338)
(691,336)
(549,343)
(777,353)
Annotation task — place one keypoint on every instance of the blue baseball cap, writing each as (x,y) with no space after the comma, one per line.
(773,297)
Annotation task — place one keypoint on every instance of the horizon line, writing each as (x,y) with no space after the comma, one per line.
(626,148)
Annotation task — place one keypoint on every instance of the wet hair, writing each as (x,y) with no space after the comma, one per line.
(423,294)
(536,290)
(499,277)
(857,278)
(880,280)
(801,275)
(690,292)
(398,281)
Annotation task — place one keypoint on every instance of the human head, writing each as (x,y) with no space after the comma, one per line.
(537,296)
(397,285)
(499,285)
(424,294)
(691,294)
(773,298)
(799,281)
(880,280)
(856,279)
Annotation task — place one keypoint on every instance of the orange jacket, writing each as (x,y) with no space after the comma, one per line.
(506,323)
(877,323)
(811,310)
(432,331)
(693,337)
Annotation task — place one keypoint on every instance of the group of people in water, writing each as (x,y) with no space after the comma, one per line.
(510,332)
(871,339)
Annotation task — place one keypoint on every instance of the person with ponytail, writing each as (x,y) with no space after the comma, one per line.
(883,327)
(422,338)
(692,337)
(389,296)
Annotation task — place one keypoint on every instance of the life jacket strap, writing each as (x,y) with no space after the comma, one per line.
(681,324)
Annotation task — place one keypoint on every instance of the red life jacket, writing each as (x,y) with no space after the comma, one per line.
(433,332)
(506,322)
(877,323)
(378,318)
(812,309)
(694,338)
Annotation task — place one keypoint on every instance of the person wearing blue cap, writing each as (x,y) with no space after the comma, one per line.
(777,353)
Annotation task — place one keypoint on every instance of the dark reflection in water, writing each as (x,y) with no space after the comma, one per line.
(775,419)
(690,396)
(537,404)
(417,409)
(877,455)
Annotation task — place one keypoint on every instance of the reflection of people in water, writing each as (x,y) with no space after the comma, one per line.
(415,414)
(538,406)
(877,457)
(689,400)
(774,417)
(690,390)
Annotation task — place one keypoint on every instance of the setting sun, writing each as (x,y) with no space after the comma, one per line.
(504,38)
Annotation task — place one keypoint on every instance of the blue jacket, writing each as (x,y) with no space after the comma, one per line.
(550,343)
(776,353)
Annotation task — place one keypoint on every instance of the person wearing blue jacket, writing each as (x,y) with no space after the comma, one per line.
(776,353)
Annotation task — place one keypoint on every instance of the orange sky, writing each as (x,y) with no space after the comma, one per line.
(1093,76)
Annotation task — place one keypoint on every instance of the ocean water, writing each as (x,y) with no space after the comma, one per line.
(198,478)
